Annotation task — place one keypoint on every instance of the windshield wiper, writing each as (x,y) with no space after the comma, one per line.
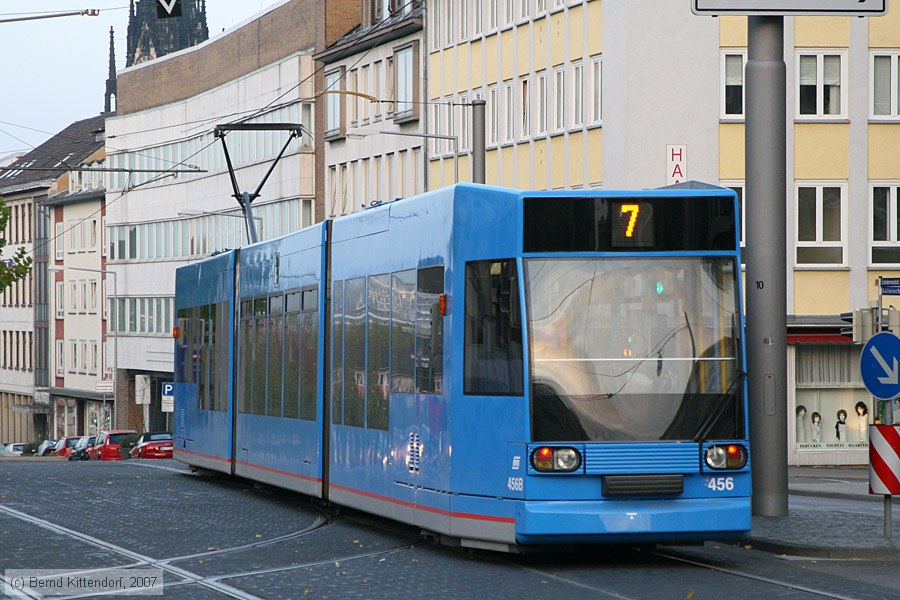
(720,407)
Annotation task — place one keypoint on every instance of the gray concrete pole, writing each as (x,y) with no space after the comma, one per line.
(478,133)
(766,257)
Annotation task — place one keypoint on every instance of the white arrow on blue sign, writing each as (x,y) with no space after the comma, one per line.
(879,365)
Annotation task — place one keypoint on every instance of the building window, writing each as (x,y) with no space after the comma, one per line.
(821,91)
(596,89)
(406,82)
(493,110)
(59,241)
(509,111)
(820,224)
(60,358)
(464,19)
(334,104)
(559,121)
(60,300)
(885,224)
(885,78)
(578,95)
(435,9)
(733,84)
(525,108)
(542,104)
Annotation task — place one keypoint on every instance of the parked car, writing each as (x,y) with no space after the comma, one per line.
(14,449)
(45,448)
(108,444)
(153,445)
(81,448)
(64,446)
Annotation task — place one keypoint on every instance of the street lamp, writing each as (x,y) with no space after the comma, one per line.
(115,332)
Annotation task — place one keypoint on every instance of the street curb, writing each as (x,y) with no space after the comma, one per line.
(895,500)
(892,554)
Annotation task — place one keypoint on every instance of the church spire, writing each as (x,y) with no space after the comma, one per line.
(150,37)
(111,79)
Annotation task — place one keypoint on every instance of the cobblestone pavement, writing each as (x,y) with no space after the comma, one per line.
(217,537)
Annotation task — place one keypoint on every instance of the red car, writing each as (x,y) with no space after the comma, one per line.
(65,446)
(153,445)
(108,444)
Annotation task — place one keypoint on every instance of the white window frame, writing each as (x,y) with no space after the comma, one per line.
(493,109)
(435,10)
(60,299)
(525,108)
(543,98)
(463,112)
(577,95)
(509,111)
(464,19)
(742,201)
(820,55)
(893,113)
(334,104)
(819,242)
(60,365)
(60,241)
(893,227)
(560,108)
(596,90)
(742,54)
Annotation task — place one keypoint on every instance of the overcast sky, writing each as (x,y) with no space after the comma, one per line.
(53,71)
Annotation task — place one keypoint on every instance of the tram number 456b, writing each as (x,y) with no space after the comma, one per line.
(515,484)
(720,484)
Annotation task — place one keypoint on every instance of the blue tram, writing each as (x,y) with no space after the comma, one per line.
(501,368)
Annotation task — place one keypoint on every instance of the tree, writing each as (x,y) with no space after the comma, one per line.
(17,267)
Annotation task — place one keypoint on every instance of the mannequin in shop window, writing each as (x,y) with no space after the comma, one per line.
(801,424)
(840,428)
(862,416)
(816,420)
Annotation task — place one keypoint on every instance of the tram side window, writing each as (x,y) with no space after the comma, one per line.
(220,347)
(337,349)
(355,352)
(493,330)
(245,358)
(182,347)
(429,331)
(275,327)
(378,367)
(403,331)
(309,354)
(199,361)
(258,373)
(292,355)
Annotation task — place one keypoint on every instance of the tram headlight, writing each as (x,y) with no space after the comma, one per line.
(732,456)
(561,460)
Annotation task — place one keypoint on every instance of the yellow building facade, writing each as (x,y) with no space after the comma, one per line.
(593,93)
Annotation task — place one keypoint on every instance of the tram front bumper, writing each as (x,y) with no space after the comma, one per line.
(675,520)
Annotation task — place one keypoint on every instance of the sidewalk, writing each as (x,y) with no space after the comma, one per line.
(836,534)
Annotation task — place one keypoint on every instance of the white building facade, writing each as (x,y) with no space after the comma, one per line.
(171,202)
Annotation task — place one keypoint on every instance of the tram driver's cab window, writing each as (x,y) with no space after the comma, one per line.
(493,336)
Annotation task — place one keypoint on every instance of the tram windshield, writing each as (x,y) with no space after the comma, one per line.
(634,349)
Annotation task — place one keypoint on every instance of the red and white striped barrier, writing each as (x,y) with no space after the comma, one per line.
(884,460)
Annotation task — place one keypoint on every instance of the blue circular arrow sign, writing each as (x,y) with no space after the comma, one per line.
(879,365)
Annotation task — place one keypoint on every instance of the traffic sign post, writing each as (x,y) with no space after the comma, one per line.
(167,397)
(884,466)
